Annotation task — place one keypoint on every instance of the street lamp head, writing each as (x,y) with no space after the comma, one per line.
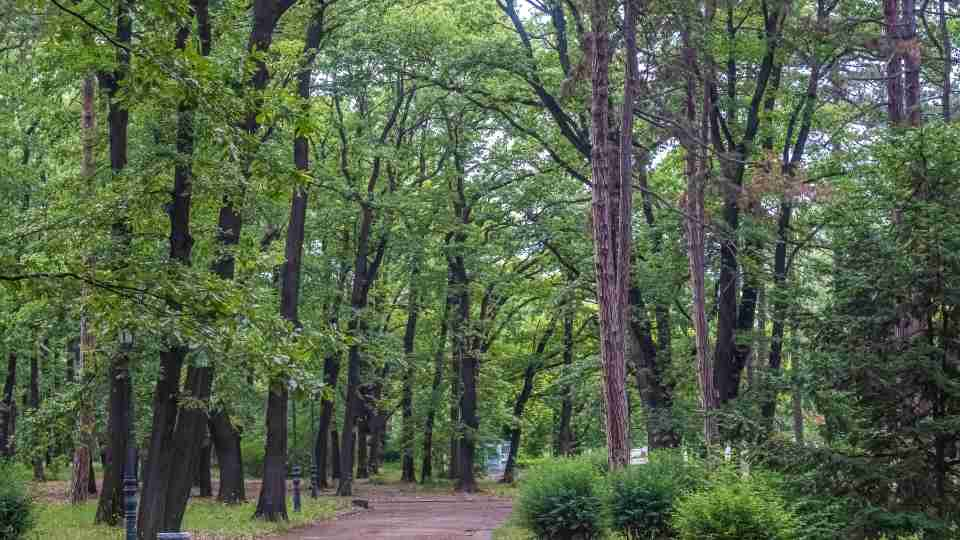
(126,339)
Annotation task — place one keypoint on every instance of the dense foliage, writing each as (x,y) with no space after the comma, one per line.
(333,232)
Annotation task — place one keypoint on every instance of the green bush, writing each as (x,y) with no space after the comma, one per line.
(640,499)
(560,500)
(735,509)
(16,507)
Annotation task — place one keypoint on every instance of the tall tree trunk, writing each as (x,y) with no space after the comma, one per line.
(272,504)
(331,368)
(92,478)
(797,399)
(895,82)
(201,476)
(611,206)
(769,406)
(226,442)
(730,356)
(334,455)
(694,219)
(363,448)
(652,360)
(911,62)
(408,473)
(946,48)
(174,456)
(453,468)
(8,408)
(464,357)
(364,274)
(516,428)
(85,443)
(791,160)
(426,464)
(120,421)
(565,440)
(110,507)
(526,390)
(38,475)
(656,395)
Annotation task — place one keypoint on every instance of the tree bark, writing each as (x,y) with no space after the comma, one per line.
(272,504)
(408,473)
(8,408)
(110,507)
(946,48)
(516,429)
(120,421)
(38,475)
(611,213)
(426,465)
(565,440)
(201,476)
(173,456)
(363,448)
(895,79)
(82,470)
(693,221)
(364,274)
(226,441)
(334,455)
(526,390)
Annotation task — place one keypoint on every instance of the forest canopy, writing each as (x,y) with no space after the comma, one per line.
(339,233)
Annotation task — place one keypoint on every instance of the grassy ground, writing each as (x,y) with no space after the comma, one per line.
(206,520)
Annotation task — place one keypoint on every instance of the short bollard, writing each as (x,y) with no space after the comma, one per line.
(130,493)
(314,481)
(296,488)
(174,536)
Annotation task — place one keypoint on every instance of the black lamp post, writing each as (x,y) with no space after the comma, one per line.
(130,464)
(296,488)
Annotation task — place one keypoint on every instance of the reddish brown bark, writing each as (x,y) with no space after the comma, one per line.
(611,211)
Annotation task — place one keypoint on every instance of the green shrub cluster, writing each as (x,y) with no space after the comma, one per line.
(16,507)
(639,500)
(668,498)
(735,508)
(561,500)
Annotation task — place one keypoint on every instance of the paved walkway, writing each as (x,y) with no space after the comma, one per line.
(426,517)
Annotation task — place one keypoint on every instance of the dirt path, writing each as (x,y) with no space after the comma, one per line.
(440,517)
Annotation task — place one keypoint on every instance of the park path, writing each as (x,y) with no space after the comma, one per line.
(406,517)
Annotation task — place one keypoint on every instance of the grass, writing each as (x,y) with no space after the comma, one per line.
(206,520)
(390,474)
